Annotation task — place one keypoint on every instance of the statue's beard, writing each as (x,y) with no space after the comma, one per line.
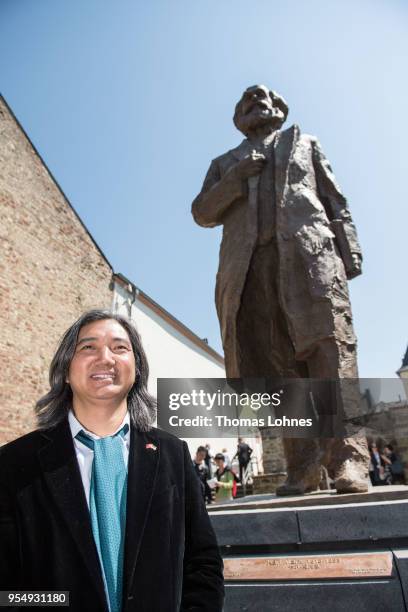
(255,120)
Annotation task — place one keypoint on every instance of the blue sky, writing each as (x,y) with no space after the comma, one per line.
(129,101)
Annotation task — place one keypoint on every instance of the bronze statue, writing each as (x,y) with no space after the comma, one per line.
(289,246)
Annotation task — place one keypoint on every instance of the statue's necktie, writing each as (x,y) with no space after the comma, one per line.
(107,506)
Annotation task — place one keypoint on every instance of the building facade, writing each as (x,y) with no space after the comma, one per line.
(51,270)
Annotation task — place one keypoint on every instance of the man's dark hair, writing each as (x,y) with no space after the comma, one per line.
(220,456)
(201,449)
(53,407)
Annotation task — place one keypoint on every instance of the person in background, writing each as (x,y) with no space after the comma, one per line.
(208,459)
(376,469)
(225,480)
(227,458)
(387,479)
(393,465)
(201,470)
(244,452)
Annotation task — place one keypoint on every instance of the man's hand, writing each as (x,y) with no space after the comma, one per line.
(251,165)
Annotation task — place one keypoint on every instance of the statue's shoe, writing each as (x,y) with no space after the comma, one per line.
(352,477)
(301,481)
(294,489)
(288,489)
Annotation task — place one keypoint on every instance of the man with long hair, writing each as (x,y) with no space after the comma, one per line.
(98,502)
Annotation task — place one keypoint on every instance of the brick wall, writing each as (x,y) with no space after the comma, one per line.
(50,272)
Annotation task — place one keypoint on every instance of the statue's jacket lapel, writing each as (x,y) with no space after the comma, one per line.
(239,240)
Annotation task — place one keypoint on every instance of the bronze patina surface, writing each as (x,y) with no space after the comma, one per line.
(309,567)
(289,248)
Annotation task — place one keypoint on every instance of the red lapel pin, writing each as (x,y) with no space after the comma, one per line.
(150,446)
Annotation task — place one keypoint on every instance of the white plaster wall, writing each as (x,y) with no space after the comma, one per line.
(170,354)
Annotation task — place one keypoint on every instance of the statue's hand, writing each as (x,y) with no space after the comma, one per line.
(251,165)
(356,266)
(357,263)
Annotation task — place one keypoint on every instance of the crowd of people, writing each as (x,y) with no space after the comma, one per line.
(219,480)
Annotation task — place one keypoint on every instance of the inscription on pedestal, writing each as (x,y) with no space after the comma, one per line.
(305,567)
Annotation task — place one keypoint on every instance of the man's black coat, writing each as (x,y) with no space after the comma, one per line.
(172,561)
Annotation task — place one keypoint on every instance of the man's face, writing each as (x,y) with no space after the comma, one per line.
(200,457)
(219,463)
(256,109)
(103,367)
(256,102)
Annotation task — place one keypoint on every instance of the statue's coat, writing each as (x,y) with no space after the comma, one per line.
(312,276)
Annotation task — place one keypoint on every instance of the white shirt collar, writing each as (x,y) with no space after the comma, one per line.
(76,426)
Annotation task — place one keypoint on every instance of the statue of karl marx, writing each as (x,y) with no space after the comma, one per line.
(288,247)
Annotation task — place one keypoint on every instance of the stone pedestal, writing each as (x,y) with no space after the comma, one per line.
(273,460)
(273,457)
(316,549)
(267,483)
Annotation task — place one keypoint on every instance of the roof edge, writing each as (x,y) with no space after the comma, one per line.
(405,360)
(52,177)
(167,316)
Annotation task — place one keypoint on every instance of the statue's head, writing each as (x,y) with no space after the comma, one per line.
(259,106)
